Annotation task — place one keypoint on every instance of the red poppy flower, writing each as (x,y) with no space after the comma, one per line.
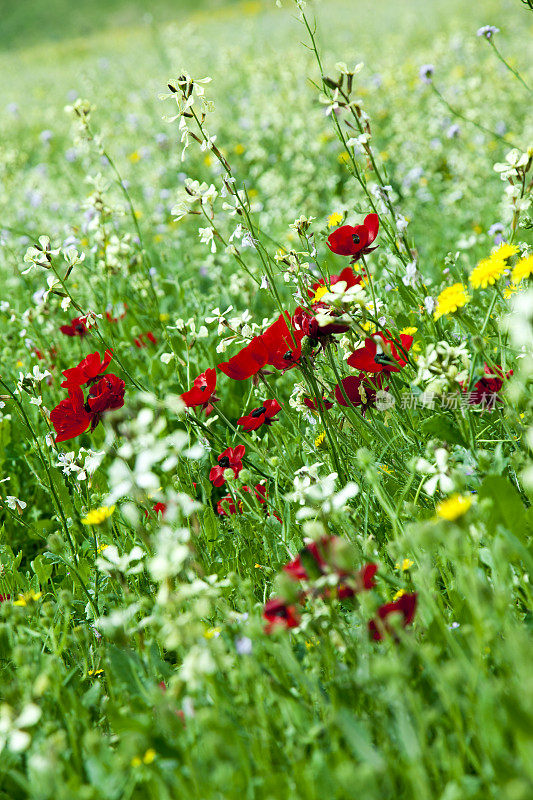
(264,415)
(359,390)
(4,597)
(355,241)
(247,362)
(202,392)
(144,338)
(485,391)
(313,405)
(406,606)
(347,275)
(88,370)
(283,343)
(70,418)
(381,356)
(229,459)
(364,581)
(278,613)
(78,327)
(107,394)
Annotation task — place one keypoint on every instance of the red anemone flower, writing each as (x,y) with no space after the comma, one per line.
(355,241)
(485,391)
(264,415)
(70,418)
(406,606)
(347,275)
(247,362)
(106,395)
(359,390)
(283,343)
(278,613)
(88,370)
(229,459)
(380,354)
(202,392)
(78,327)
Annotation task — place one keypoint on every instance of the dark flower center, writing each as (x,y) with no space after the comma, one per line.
(224,462)
(288,355)
(356,238)
(258,411)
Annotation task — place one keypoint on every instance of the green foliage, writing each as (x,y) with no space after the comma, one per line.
(137,655)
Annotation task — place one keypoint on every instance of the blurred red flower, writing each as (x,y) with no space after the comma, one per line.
(78,327)
(405,605)
(278,613)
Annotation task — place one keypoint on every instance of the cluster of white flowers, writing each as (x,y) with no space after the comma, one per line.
(443,367)
(317,494)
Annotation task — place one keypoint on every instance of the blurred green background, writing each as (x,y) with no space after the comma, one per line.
(28,22)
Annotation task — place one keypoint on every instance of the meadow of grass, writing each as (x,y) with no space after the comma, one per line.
(272,538)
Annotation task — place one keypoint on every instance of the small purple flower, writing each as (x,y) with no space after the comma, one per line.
(426,73)
(488,31)
(453,131)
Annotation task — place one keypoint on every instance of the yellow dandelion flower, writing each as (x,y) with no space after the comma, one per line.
(343,158)
(386,469)
(239,149)
(149,756)
(522,269)
(164,317)
(27,598)
(504,251)
(319,441)
(208,159)
(134,157)
(404,565)
(98,515)
(258,566)
(334,219)
(19,363)
(409,331)
(477,229)
(136,761)
(454,507)
(450,300)
(509,291)
(487,272)
(398,594)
